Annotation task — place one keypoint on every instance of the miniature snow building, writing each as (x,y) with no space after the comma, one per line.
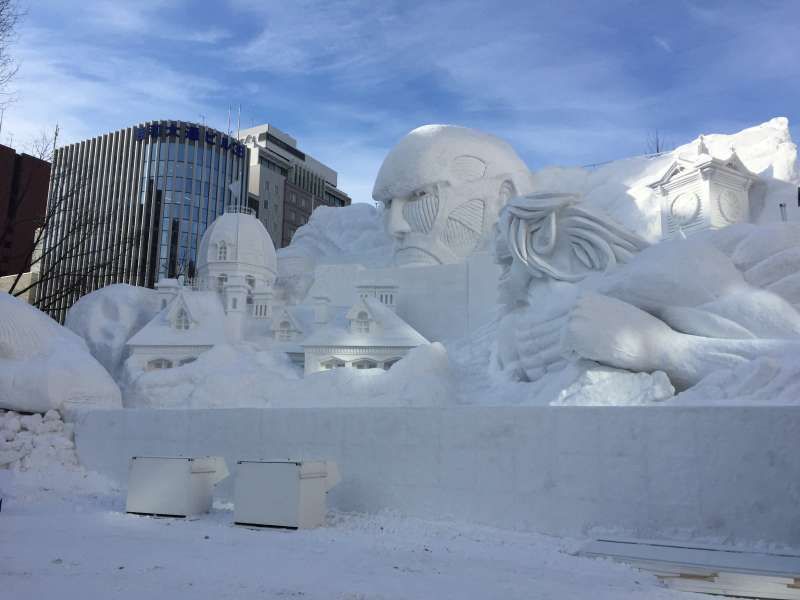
(172,486)
(366,335)
(704,192)
(236,270)
(287,494)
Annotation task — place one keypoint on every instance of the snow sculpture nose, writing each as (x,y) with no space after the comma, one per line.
(397,224)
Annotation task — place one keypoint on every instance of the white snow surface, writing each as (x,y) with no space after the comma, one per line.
(45,366)
(249,375)
(107,318)
(66,535)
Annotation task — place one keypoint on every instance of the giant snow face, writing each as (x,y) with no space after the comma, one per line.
(444,187)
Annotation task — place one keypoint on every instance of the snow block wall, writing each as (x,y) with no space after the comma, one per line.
(726,473)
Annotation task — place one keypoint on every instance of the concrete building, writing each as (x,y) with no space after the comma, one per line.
(134,205)
(23,201)
(286,184)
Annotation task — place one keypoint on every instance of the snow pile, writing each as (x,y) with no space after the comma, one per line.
(107,318)
(620,188)
(45,366)
(247,375)
(352,234)
(35,442)
(606,386)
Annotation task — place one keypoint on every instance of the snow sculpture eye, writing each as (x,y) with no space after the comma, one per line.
(421,210)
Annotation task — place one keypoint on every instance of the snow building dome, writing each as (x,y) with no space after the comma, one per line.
(237,243)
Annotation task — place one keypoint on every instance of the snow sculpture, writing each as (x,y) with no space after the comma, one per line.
(45,366)
(443,187)
(685,307)
(705,192)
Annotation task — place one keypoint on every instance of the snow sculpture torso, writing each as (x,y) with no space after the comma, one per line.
(443,187)
(685,307)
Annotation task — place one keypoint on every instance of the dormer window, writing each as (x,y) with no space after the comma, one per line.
(222,251)
(182,320)
(361,324)
(284,331)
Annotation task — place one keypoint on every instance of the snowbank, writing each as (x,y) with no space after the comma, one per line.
(107,318)
(44,365)
(36,442)
(249,376)
(353,234)
(620,188)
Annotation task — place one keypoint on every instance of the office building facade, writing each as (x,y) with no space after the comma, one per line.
(151,190)
(23,201)
(285,183)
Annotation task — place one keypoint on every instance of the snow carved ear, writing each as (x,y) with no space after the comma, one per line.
(552,234)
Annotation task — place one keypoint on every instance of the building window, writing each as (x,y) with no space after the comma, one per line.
(159,363)
(251,281)
(233,303)
(365,363)
(284,331)
(222,252)
(182,320)
(332,363)
(361,324)
(221,281)
(186,361)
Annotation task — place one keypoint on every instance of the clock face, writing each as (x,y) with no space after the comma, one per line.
(685,208)
(730,207)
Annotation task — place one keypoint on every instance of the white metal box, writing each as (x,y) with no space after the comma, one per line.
(171,486)
(288,494)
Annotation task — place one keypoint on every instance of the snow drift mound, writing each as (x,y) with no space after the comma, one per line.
(36,442)
(107,318)
(44,365)
(620,188)
(246,376)
(353,234)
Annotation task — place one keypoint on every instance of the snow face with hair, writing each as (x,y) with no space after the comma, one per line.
(577,286)
(443,187)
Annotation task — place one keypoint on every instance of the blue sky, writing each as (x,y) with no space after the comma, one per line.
(565,82)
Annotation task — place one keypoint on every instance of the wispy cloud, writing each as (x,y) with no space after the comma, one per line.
(567,83)
(662,43)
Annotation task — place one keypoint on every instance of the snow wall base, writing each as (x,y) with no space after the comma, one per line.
(722,473)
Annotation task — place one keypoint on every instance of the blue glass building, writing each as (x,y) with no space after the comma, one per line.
(152,189)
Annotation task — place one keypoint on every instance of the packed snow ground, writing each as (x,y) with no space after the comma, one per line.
(65,534)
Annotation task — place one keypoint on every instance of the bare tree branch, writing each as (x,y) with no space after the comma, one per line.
(10,14)
(656,143)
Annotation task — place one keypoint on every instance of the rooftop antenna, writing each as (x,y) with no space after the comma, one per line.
(239,122)
(203,118)
(229,119)
(55,138)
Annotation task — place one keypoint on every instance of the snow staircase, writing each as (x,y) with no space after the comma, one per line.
(704,569)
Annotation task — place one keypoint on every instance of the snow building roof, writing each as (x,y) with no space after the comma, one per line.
(702,158)
(391,330)
(247,241)
(206,322)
